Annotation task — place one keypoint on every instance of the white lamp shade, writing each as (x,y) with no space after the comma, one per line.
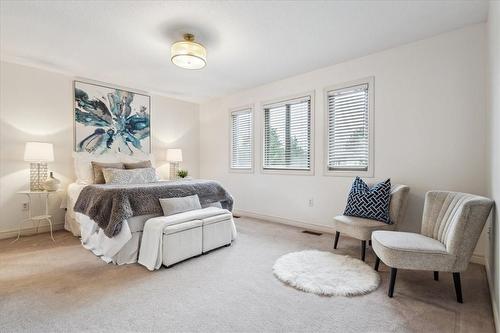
(174,155)
(38,152)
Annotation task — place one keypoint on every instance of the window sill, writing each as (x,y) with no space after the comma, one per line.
(234,170)
(288,172)
(349,173)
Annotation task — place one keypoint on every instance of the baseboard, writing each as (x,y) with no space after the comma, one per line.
(296,223)
(494,305)
(26,231)
(477,259)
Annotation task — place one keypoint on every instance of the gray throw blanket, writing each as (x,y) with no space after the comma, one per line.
(110,205)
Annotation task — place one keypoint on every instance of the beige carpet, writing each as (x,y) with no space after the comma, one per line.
(63,287)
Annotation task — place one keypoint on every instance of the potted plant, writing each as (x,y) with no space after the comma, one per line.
(182,174)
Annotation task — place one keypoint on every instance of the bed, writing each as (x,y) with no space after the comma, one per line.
(86,203)
(123,249)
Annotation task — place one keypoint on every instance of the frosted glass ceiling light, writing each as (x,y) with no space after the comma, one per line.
(188,54)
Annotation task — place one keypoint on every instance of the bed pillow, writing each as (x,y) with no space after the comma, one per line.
(83,165)
(99,166)
(84,172)
(133,176)
(370,203)
(216,204)
(171,206)
(138,165)
(138,156)
(141,165)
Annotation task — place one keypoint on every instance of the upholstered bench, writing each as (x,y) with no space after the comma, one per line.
(173,238)
(186,238)
(182,241)
(217,231)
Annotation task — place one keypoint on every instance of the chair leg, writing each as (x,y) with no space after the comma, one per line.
(363,250)
(336,242)
(394,271)
(377,263)
(458,287)
(436,276)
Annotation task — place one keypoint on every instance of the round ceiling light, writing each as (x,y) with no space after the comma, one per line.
(188,54)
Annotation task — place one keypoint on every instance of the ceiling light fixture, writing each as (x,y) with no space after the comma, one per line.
(188,54)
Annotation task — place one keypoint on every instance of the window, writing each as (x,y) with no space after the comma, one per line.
(287,135)
(242,139)
(348,128)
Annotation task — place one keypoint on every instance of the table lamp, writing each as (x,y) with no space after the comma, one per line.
(38,154)
(174,156)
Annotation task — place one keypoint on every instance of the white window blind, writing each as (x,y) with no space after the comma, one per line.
(241,139)
(348,126)
(287,135)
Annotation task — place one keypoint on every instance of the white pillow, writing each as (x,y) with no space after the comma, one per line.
(171,206)
(83,165)
(140,157)
(129,176)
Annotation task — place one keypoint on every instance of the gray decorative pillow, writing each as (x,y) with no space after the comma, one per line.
(171,206)
(134,176)
(213,204)
(98,166)
(138,165)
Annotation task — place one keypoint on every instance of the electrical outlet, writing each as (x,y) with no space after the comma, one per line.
(26,206)
(311,202)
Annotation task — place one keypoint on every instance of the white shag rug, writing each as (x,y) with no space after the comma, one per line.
(325,273)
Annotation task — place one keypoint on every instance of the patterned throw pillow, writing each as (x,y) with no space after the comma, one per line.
(99,166)
(132,176)
(370,203)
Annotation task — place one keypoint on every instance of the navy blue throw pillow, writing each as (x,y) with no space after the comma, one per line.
(370,203)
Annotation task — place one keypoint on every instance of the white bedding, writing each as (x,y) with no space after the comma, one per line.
(124,247)
(70,222)
(120,249)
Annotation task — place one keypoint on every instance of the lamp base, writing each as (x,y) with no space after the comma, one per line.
(174,167)
(38,174)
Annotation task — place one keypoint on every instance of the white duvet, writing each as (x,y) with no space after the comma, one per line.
(92,237)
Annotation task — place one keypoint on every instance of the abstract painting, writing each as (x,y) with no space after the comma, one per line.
(110,120)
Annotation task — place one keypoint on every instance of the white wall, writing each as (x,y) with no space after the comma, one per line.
(493,253)
(430,121)
(36,105)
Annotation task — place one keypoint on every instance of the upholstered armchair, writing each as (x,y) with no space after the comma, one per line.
(361,228)
(451,225)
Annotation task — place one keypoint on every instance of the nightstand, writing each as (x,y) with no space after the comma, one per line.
(43,195)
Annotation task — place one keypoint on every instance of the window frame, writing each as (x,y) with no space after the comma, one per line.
(250,107)
(370,81)
(263,170)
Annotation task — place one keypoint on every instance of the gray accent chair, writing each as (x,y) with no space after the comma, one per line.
(451,225)
(361,228)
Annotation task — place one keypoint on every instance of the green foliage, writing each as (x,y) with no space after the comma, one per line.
(182,173)
(277,150)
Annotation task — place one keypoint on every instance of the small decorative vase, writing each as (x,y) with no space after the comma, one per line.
(52,183)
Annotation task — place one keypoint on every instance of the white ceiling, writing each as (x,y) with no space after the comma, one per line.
(248,42)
